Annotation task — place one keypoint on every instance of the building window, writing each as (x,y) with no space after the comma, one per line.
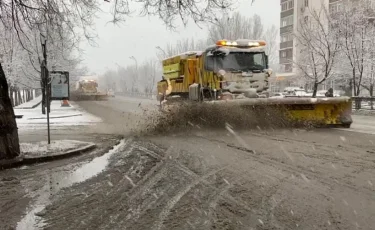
(284,6)
(335,7)
(372,4)
(290,4)
(306,3)
(287,21)
(286,37)
(287,5)
(288,68)
(283,54)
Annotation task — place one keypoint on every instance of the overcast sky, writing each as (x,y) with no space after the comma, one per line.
(139,36)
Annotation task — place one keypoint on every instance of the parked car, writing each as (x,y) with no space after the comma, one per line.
(277,95)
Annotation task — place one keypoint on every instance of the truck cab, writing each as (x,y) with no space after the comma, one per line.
(240,67)
(225,70)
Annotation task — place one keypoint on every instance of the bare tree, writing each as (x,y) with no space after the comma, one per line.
(149,71)
(319,46)
(369,68)
(356,31)
(182,46)
(238,26)
(76,18)
(270,36)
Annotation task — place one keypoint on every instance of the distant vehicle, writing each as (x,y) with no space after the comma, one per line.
(295,91)
(278,95)
(87,89)
(111,93)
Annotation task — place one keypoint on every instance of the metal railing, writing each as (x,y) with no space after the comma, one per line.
(363,103)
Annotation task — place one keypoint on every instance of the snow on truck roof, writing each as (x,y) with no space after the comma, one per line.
(185,55)
(240,45)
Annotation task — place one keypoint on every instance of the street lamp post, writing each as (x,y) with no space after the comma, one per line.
(135,60)
(136,69)
(159,48)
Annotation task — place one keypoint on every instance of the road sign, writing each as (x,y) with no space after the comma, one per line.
(59,85)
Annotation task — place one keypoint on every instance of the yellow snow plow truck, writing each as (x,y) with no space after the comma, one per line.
(87,90)
(235,74)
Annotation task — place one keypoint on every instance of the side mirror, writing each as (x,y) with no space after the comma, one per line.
(266,61)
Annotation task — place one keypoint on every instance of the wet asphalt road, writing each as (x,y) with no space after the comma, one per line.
(204,179)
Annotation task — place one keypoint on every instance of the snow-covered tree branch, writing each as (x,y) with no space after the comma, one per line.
(355,24)
(242,27)
(319,46)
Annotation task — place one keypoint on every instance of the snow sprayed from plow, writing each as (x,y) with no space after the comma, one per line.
(192,116)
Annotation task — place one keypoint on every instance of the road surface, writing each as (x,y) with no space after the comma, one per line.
(222,179)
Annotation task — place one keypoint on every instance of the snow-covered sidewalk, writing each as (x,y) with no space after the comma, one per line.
(59,116)
(39,152)
(30,104)
(42,149)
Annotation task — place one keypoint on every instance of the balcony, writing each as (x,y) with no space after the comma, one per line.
(286,29)
(288,44)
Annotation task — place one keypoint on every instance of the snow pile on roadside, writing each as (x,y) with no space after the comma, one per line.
(59,116)
(55,148)
(365,112)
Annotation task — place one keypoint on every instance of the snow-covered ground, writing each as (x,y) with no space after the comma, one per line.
(30,104)
(362,124)
(57,147)
(59,116)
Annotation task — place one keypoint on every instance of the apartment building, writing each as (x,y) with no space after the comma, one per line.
(292,12)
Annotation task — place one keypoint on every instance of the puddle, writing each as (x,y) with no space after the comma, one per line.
(61,179)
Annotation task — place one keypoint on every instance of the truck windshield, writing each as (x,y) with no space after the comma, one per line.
(236,61)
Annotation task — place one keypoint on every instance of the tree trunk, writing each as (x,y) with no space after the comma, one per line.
(9,142)
(354,83)
(372,95)
(16,98)
(27,95)
(11,96)
(43,97)
(19,97)
(315,89)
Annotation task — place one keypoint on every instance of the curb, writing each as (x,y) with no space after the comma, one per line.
(29,107)
(53,117)
(6,164)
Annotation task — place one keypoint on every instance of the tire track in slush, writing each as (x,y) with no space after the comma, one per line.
(153,176)
(216,197)
(174,200)
(151,179)
(293,169)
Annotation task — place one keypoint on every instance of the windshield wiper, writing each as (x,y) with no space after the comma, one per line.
(234,70)
(253,69)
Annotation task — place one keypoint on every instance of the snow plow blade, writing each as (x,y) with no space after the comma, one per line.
(326,112)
